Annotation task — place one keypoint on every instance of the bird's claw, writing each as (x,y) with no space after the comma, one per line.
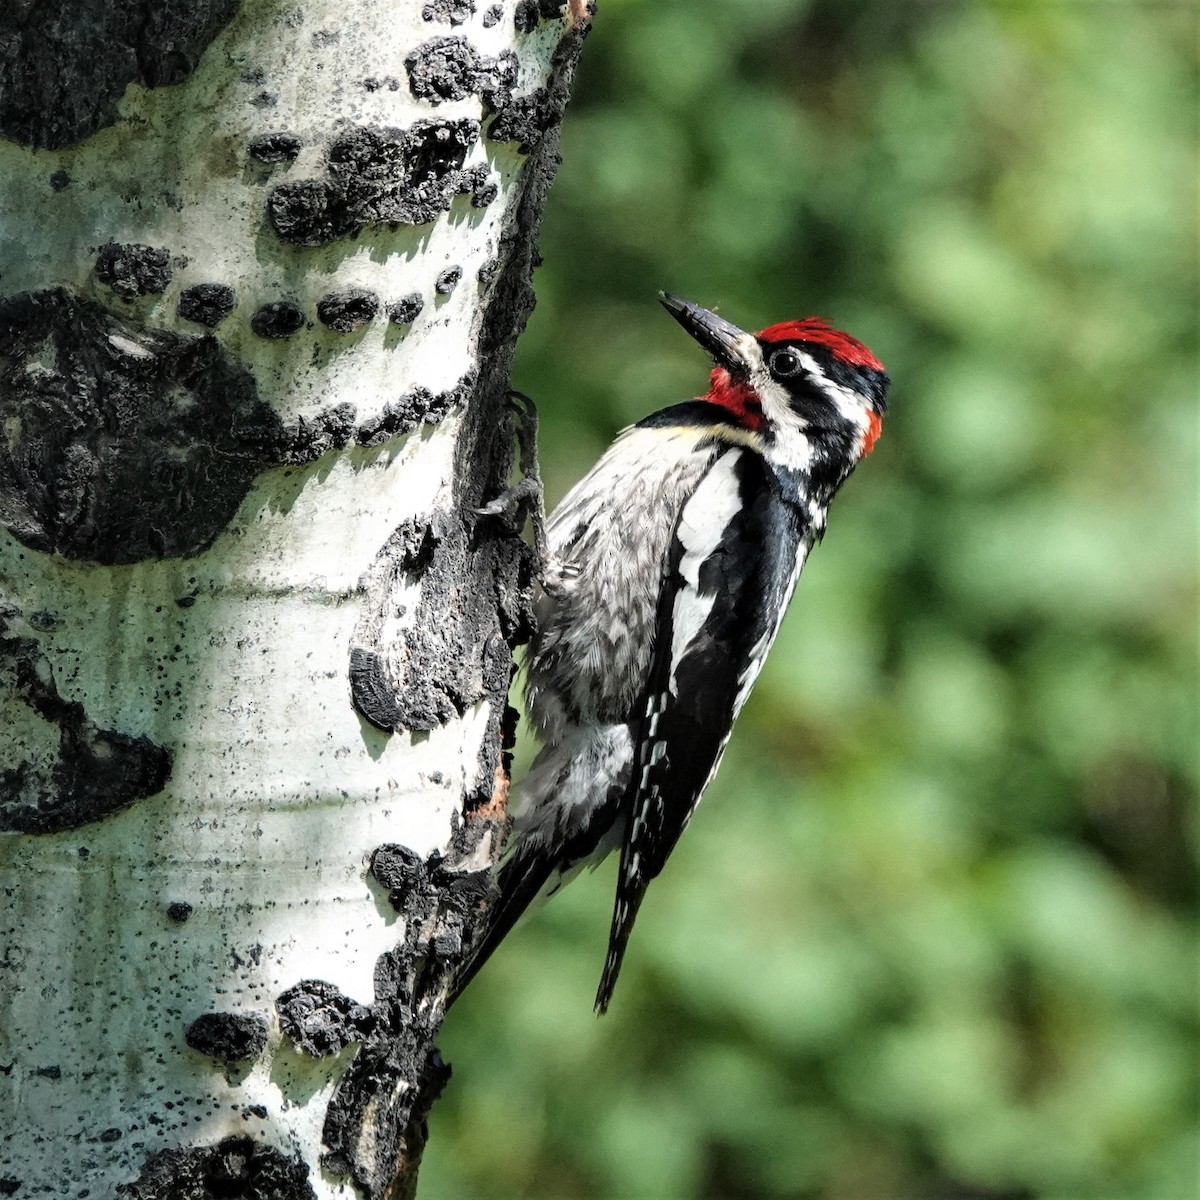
(512,499)
(524,498)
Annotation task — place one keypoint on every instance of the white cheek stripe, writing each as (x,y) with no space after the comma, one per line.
(701,526)
(848,403)
(790,447)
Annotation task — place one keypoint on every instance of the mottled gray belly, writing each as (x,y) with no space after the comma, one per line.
(611,537)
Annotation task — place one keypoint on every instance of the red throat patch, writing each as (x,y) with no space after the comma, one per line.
(738,398)
(874,429)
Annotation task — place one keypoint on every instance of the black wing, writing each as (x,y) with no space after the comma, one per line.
(732,565)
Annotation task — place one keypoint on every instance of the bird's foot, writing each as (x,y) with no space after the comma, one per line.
(526,498)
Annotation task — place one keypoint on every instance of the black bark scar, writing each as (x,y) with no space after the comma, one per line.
(377,176)
(80,772)
(228,1037)
(68,62)
(236,1167)
(125,443)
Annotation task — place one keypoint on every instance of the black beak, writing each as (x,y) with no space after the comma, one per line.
(725,342)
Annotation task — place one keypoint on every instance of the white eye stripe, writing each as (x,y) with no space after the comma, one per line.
(848,403)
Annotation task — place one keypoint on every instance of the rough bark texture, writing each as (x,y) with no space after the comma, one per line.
(255,644)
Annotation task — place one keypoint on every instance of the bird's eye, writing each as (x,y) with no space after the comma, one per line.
(784,362)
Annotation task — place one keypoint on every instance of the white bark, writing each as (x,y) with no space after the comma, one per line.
(190,789)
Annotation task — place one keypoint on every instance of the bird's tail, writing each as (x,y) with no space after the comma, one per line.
(519,881)
(548,850)
(631,888)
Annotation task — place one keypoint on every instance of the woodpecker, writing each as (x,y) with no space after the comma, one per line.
(669,568)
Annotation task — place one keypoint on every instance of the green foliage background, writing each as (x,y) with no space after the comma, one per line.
(930,935)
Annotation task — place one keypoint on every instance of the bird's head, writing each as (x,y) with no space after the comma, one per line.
(796,384)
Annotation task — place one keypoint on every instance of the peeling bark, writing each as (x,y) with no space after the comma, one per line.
(255,643)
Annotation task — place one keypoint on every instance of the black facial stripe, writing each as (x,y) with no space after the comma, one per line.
(813,405)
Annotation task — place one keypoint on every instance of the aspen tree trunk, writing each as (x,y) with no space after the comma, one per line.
(262,266)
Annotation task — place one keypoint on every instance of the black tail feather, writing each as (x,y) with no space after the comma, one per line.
(519,881)
(625,911)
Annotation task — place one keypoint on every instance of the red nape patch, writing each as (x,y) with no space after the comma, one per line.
(821,333)
(874,429)
(737,397)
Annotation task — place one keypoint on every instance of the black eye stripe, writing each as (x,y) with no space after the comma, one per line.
(814,363)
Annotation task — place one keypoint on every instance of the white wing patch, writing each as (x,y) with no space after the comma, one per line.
(703,522)
(758,654)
